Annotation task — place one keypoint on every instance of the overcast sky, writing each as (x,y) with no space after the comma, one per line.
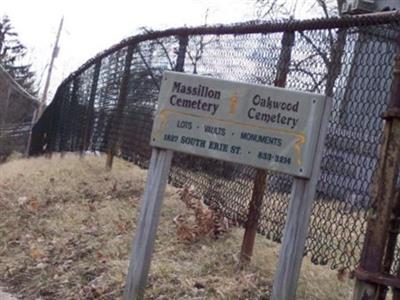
(91,26)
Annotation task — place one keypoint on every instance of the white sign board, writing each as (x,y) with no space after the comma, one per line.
(261,126)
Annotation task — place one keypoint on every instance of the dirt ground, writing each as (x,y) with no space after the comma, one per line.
(66,230)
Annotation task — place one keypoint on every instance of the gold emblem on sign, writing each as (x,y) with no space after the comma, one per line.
(300,140)
(234,101)
(163,120)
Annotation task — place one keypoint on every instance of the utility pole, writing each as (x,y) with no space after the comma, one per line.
(54,54)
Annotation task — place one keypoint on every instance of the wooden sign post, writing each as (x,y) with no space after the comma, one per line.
(297,220)
(139,264)
(265,127)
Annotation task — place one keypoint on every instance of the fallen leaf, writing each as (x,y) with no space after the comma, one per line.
(34,204)
(36,254)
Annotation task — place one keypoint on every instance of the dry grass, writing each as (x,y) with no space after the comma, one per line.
(66,229)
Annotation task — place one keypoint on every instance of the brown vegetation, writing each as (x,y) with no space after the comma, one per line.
(66,227)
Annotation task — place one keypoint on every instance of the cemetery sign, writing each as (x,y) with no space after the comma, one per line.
(262,126)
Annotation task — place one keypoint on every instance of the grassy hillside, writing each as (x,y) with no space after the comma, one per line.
(66,228)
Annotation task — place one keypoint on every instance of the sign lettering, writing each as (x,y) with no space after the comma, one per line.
(261,126)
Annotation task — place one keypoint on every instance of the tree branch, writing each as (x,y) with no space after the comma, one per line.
(316,48)
(148,69)
(161,44)
(317,84)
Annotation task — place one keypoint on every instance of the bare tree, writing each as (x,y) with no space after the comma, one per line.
(331,48)
(325,52)
(12,53)
(271,9)
(194,52)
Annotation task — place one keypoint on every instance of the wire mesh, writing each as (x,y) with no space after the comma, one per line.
(17,109)
(351,62)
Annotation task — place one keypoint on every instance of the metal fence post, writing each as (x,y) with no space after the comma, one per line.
(55,107)
(90,109)
(50,131)
(372,280)
(69,119)
(394,229)
(74,115)
(180,60)
(62,122)
(394,233)
(33,121)
(260,183)
(253,216)
(123,93)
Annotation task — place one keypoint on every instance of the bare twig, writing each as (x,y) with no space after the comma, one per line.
(270,9)
(311,56)
(317,84)
(148,69)
(198,50)
(316,48)
(161,44)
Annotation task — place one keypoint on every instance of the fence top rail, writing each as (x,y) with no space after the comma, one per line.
(16,86)
(251,27)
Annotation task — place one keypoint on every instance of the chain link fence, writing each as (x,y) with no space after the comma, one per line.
(109,103)
(17,111)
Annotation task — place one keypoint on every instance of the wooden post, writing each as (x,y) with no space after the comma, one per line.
(123,93)
(148,221)
(297,220)
(261,175)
